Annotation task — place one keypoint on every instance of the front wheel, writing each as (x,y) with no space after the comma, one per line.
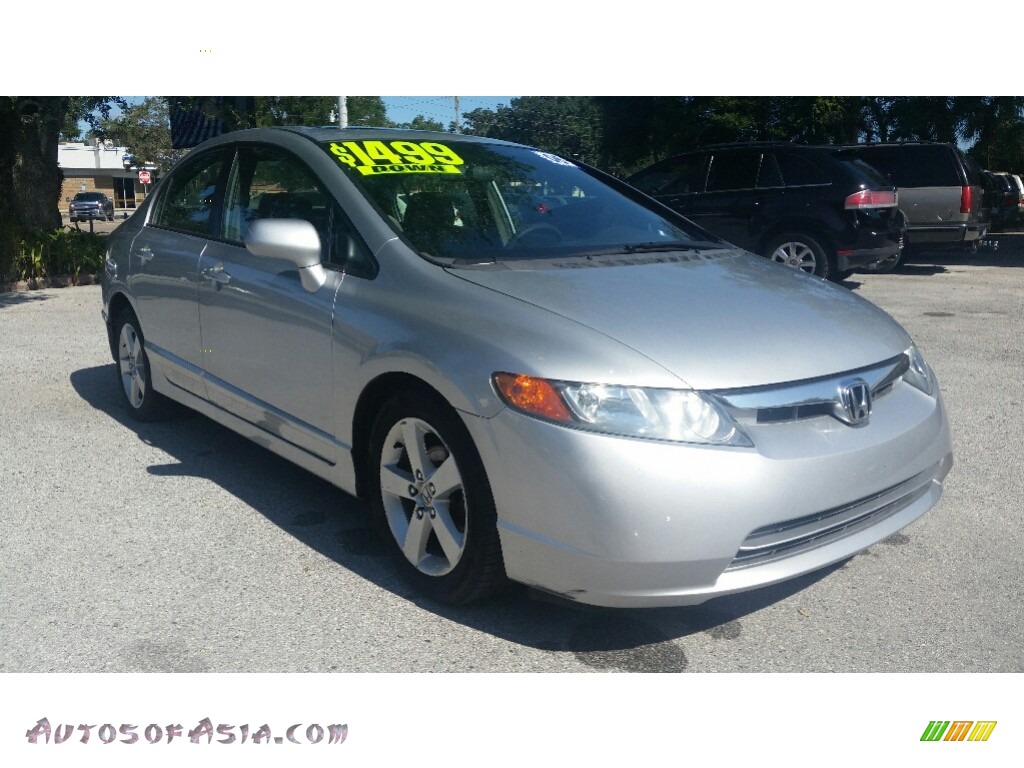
(800,252)
(431,500)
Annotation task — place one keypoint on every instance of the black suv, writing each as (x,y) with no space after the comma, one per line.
(941,191)
(811,207)
(91,205)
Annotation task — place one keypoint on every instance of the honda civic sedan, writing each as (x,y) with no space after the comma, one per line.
(528,370)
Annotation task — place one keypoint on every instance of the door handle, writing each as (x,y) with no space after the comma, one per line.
(217,275)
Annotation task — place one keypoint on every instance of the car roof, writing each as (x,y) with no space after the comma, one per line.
(334,133)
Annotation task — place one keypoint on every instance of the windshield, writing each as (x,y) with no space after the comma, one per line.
(477,202)
(88,197)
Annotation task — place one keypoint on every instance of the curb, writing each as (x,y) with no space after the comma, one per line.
(59,281)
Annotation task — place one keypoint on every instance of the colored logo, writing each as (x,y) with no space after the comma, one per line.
(958,730)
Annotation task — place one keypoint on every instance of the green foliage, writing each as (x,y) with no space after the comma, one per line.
(421,123)
(145,130)
(57,253)
(316,110)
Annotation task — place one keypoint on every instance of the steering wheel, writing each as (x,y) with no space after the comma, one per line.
(545,231)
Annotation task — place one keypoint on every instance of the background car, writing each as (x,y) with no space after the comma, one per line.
(809,207)
(1001,200)
(941,191)
(91,205)
(529,370)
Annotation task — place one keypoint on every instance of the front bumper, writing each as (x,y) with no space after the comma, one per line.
(85,215)
(634,523)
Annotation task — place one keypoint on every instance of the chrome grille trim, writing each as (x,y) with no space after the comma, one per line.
(790,537)
(810,398)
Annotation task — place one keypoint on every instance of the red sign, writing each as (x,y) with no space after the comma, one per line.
(144,177)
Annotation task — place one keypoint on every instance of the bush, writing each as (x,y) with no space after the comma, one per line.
(57,253)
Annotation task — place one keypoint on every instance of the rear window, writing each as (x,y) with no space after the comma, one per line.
(916,165)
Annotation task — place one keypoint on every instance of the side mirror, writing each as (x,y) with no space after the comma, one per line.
(293,240)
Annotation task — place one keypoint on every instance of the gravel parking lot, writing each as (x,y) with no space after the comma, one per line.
(181,547)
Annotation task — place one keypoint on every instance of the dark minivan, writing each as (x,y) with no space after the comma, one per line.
(941,191)
(816,208)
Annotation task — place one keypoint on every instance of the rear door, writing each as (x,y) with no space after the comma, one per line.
(164,266)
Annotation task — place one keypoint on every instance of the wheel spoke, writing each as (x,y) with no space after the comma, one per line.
(446,479)
(415,447)
(138,389)
(395,481)
(450,538)
(416,535)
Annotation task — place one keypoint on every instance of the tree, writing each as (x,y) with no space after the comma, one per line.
(316,110)
(145,131)
(421,123)
(30,178)
(567,125)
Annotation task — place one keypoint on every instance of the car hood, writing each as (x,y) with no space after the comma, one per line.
(716,320)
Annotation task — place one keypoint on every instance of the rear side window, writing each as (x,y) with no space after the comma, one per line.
(798,171)
(733,170)
(194,195)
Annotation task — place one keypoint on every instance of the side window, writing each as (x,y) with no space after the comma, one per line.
(769,175)
(266,183)
(192,199)
(675,176)
(798,171)
(733,170)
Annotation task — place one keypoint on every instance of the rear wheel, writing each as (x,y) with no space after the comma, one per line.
(142,401)
(800,252)
(431,500)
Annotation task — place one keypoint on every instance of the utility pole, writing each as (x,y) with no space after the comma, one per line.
(343,112)
(458,121)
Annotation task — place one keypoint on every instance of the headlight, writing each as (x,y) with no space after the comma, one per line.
(678,415)
(919,374)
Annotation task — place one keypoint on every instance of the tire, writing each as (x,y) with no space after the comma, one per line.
(142,402)
(433,506)
(801,252)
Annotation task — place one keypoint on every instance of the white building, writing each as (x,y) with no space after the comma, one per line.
(100,167)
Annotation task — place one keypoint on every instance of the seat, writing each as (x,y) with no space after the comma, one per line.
(285,205)
(429,216)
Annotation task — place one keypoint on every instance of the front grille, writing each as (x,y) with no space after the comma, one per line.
(808,399)
(791,537)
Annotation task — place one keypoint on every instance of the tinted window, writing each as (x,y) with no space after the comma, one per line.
(192,196)
(675,176)
(770,174)
(266,183)
(733,170)
(915,165)
(798,171)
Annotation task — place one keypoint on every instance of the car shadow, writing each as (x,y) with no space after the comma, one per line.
(335,525)
(14,298)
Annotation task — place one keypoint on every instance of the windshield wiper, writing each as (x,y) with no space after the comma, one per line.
(451,261)
(694,245)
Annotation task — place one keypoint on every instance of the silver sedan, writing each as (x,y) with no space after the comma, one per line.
(530,371)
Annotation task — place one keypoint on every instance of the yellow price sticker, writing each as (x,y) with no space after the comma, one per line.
(371,157)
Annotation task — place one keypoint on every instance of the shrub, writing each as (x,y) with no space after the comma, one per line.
(57,253)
